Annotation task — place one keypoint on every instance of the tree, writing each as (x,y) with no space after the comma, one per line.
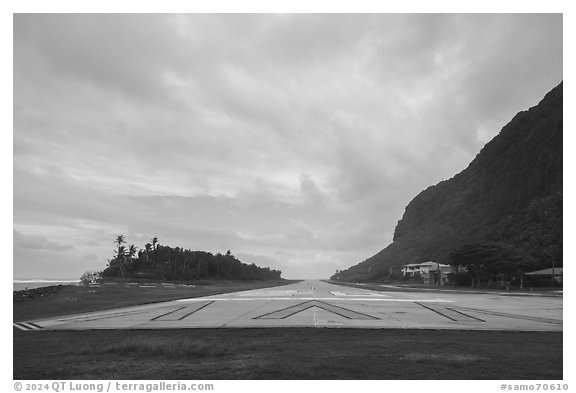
(120,239)
(491,260)
(132,251)
(121,252)
(147,249)
(154,242)
(90,277)
(473,257)
(177,263)
(120,257)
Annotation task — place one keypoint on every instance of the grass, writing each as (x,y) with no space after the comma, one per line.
(185,348)
(287,353)
(69,299)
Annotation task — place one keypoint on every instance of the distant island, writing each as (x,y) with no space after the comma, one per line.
(498,219)
(159,262)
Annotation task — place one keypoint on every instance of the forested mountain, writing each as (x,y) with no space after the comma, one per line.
(160,262)
(505,209)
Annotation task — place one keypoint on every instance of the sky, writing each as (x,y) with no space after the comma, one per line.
(295,141)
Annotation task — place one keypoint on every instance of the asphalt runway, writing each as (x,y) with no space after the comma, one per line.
(321,304)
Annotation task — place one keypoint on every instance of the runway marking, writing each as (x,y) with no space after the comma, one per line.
(346,294)
(344,312)
(466,315)
(269,293)
(106,315)
(181,313)
(239,317)
(515,316)
(449,313)
(292,310)
(168,313)
(27,326)
(286,312)
(352,299)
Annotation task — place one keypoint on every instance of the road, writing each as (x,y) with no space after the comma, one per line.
(320,304)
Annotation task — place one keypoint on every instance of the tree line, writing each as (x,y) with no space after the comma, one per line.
(155,261)
(495,262)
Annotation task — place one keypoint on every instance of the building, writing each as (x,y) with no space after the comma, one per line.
(552,276)
(430,272)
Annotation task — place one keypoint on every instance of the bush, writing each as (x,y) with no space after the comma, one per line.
(90,277)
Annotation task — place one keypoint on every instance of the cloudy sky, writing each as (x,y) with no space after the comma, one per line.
(295,141)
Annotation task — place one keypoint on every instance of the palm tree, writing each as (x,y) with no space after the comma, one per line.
(154,242)
(147,249)
(120,240)
(120,258)
(121,252)
(132,250)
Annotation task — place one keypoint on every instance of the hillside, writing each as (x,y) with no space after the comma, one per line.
(508,198)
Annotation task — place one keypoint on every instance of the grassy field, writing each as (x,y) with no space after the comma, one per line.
(69,299)
(287,353)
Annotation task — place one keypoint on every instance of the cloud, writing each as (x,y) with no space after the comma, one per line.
(299,138)
(34,242)
(260,260)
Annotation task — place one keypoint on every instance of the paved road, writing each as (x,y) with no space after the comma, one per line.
(320,304)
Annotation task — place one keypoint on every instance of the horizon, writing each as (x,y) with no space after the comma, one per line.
(287,139)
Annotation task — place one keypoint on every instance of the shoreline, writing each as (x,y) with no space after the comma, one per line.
(21,285)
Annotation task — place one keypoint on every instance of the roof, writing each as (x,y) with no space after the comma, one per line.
(544,272)
(432,264)
(444,268)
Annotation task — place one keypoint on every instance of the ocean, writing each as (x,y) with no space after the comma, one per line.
(18,285)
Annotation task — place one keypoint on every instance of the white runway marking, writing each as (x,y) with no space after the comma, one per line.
(27,326)
(336,293)
(368,299)
(269,293)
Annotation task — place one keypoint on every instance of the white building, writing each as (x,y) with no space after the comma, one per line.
(428,271)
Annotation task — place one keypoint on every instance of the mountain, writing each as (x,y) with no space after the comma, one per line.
(509,197)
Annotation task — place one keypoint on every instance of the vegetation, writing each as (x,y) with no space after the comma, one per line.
(159,262)
(90,277)
(288,353)
(501,216)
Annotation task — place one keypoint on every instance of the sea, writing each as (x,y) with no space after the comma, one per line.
(18,285)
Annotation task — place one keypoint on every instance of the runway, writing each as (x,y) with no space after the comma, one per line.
(324,305)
